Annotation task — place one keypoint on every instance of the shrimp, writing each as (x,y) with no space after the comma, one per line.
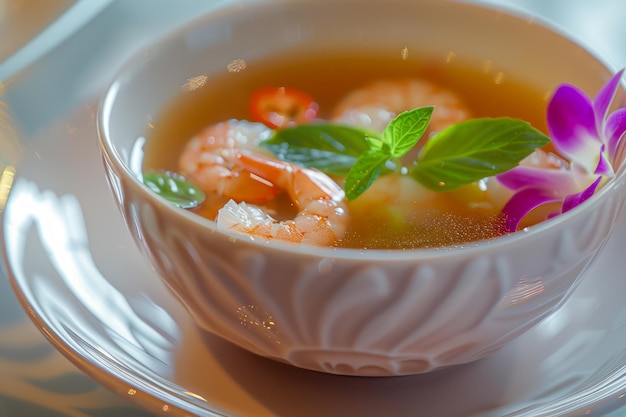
(322,217)
(376,104)
(210,160)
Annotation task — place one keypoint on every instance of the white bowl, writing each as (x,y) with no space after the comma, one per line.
(347,311)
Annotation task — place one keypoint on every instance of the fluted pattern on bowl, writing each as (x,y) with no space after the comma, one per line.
(355,316)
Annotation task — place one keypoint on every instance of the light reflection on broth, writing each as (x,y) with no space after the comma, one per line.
(451,218)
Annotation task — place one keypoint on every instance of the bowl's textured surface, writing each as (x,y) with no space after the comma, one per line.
(344,311)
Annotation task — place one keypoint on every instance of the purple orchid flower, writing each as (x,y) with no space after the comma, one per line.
(582,131)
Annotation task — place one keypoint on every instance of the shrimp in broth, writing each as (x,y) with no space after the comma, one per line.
(322,217)
(209,159)
(253,192)
(375,104)
(225,159)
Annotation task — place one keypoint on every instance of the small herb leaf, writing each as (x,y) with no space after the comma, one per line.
(475,149)
(363,173)
(406,129)
(174,188)
(328,147)
(377,144)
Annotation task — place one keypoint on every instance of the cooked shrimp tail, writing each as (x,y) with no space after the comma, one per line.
(302,184)
(322,217)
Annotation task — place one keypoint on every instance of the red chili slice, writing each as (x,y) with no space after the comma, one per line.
(279,107)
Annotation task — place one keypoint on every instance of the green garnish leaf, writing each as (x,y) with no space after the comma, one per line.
(376,144)
(364,172)
(330,148)
(399,137)
(459,155)
(174,188)
(406,129)
(475,149)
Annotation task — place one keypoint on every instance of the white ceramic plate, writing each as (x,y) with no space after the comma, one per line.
(83,282)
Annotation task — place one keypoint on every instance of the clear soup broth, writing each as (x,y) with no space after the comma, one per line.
(387,216)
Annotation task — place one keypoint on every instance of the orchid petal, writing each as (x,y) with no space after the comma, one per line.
(586,134)
(524,176)
(604,98)
(573,200)
(523,202)
(572,126)
(615,130)
(604,166)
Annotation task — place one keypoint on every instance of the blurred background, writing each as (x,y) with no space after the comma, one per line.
(93,37)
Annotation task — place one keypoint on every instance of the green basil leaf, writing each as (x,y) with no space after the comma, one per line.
(377,144)
(364,172)
(475,149)
(406,129)
(174,188)
(330,148)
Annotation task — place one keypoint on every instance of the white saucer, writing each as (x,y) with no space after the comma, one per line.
(84,283)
